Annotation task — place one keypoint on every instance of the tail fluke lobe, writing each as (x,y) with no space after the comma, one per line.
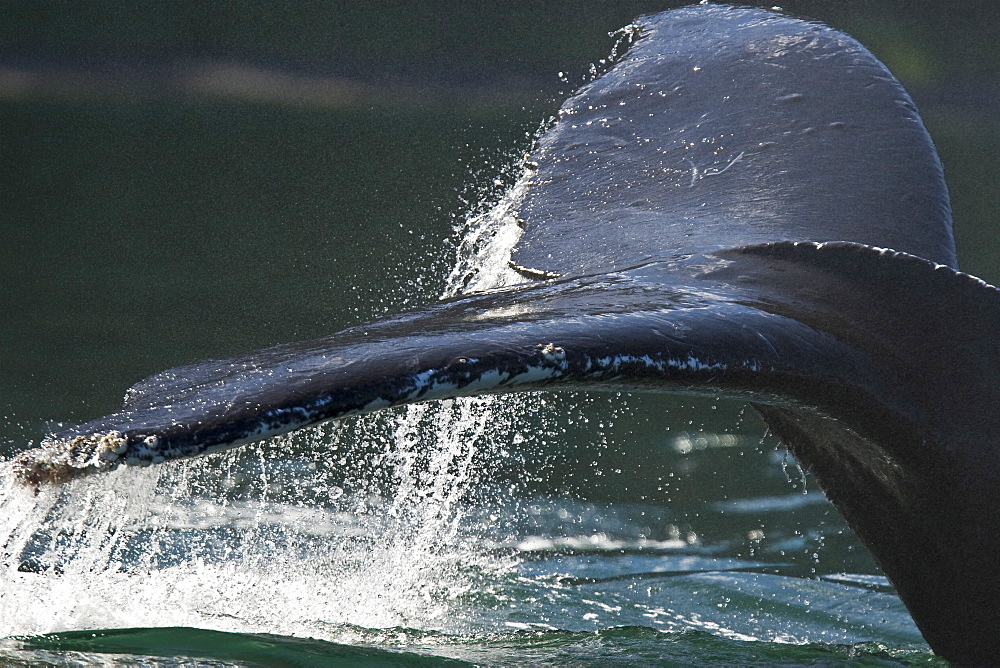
(749,322)
(728,126)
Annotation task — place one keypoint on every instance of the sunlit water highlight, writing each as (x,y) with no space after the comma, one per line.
(388,531)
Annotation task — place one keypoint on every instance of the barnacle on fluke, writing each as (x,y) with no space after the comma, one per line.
(60,461)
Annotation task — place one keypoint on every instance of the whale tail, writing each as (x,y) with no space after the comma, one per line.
(710,216)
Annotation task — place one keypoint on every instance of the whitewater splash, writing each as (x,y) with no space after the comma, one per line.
(299,535)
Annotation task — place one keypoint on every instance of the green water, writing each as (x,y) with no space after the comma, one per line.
(156,215)
(624,646)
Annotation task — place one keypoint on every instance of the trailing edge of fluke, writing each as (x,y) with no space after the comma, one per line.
(745,205)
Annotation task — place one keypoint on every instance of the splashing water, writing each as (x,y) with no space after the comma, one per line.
(300,535)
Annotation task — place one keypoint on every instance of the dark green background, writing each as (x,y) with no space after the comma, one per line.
(190,180)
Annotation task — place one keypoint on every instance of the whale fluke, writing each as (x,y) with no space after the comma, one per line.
(725,127)
(745,205)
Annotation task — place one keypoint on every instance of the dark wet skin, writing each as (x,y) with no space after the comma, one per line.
(709,216)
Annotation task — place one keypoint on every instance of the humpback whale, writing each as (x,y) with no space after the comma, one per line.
(744,205)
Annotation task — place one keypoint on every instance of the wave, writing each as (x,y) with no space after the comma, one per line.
(620,646)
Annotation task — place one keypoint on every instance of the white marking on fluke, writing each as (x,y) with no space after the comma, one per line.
(551,352)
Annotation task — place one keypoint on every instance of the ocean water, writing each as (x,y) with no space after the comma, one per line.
(305,552)
(150,229)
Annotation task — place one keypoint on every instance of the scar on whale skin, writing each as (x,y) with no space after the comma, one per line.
(813,274)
